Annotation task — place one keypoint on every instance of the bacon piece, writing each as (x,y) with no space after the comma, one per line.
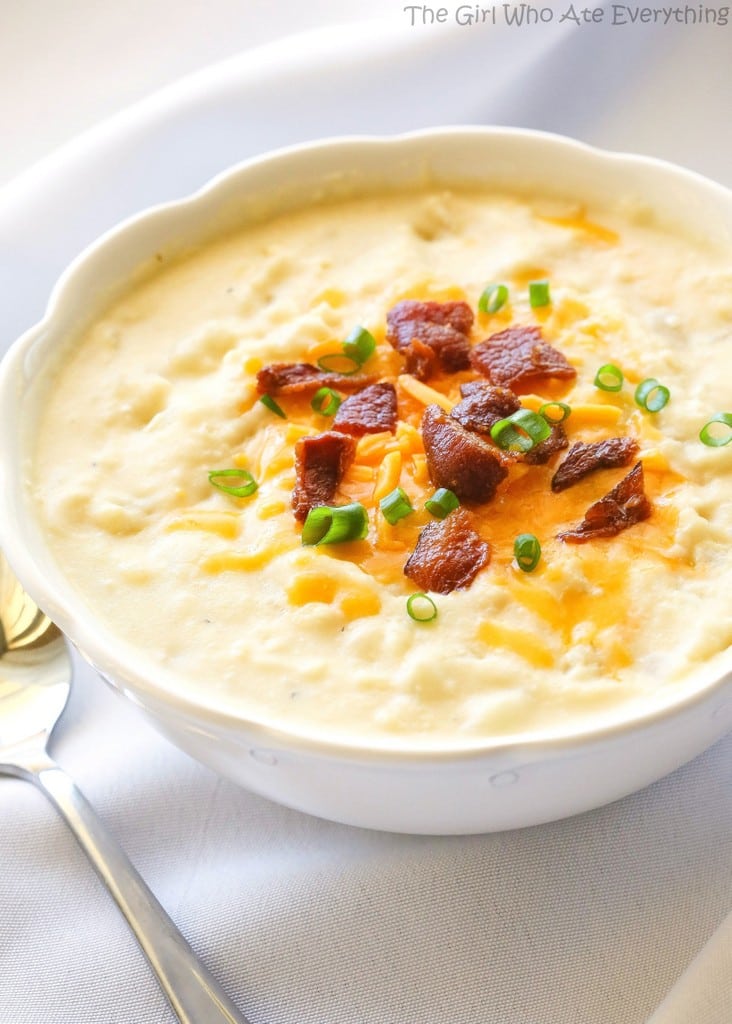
(449,554)
(459,459)
(520,359)
(543,451)
(320,463)
(300,378)
(583,459)
(440,327)
(483,406)
(421,359)
(368,411)
(623,506)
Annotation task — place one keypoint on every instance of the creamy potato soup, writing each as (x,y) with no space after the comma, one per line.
(514,417)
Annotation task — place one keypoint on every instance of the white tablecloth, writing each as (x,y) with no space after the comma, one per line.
(618,916)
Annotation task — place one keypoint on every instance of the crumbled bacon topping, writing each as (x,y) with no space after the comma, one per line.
(320,463)
(543,451)
(434,338)
(430,333)
(623,506)
(520,359)
(583,459)
(369,411)
(421,360)
(460,459)
(449,554)
(483,406)
(301,378)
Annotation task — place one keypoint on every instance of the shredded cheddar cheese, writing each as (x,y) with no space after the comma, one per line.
(372,448)
(328,347)
(424,393)
(312,586)
(225,524)
(419,470)
(271,508)
(360,604)
(596,415)
(334,297)
(358,473)
(295,431)
(388,475)
(596,232)
(518,641)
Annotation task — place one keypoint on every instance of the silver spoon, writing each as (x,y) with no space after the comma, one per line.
(35,680)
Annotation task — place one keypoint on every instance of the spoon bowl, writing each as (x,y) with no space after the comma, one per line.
(35,670)
(35,682)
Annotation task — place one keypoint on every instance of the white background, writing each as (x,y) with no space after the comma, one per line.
(67,64)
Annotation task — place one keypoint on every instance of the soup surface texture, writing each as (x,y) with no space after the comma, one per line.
(164,389)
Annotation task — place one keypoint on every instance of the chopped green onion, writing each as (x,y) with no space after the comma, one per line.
(339,362)
(357,348)
(521,431)
(527,551)
(359,345)
(270,404)
(395,506)
(651,396)
(493,298)
(442,503)
(421,608)
(539,294)
(238,490)
(712,436)
(547,410)
(334,524)
(326,401)
(609,378)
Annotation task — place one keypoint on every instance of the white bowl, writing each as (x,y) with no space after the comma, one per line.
(499,785)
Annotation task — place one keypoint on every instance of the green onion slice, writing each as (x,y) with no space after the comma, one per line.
(359,345)
(609,378)
(334,524)
(527,551)
(493,298)
(395,506)
(270,404)
(651,396)
(326,401)
(421,608)
(555,412)
(242,490)
(713,436)
(539,294)
(357,348)
(442,503)
(521,431)
(339,362)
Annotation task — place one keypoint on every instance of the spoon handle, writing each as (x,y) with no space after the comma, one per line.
(194,994)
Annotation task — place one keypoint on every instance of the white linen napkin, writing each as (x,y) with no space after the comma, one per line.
(703,991)
(617,916)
